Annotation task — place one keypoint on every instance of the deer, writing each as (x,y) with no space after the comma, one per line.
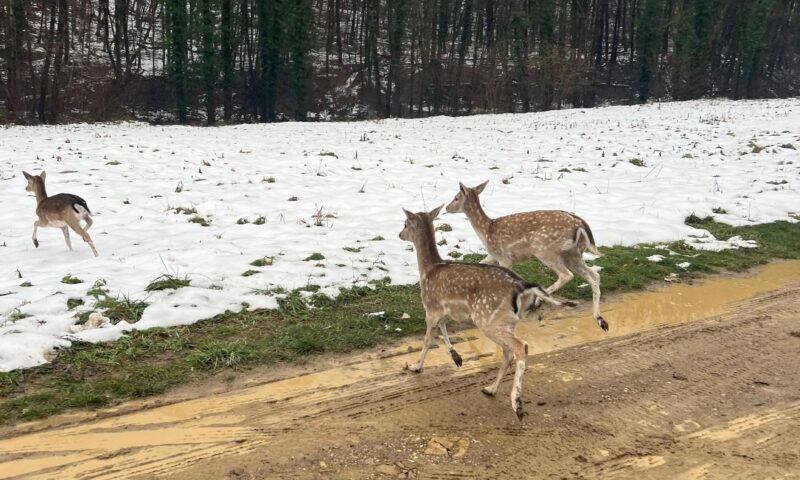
(63,211)
(555,237)
(491,296)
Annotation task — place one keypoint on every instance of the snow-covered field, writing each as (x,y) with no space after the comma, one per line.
(634,173)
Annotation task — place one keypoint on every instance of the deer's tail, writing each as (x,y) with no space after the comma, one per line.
(524,300)
(584,239)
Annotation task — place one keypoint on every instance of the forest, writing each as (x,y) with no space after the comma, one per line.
(231,61)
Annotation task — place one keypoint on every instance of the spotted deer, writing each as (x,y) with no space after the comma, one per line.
(492,297)
(62,211)
(557,238)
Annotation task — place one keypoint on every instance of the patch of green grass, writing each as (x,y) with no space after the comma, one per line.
(74,302)
(352,249)
(242,221)
(167,282)
(185,211)
(637,162)
(200,220)
(98,289)
(719,210)
(113,162)
(69,279)
(17,315)
(328,154)
(268,179)
(259,221)
(121,308)
(316,256)
(263,262)
(149,362)
(445,227)
(377,239)
(249,273)
(26,284)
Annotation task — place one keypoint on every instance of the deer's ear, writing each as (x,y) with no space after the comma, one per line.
(27,175)
(435,212)
(479,188)
(43,175)
(409,215)
(462,187)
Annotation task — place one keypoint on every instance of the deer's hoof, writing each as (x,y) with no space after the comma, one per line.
(488,391)
(518,408)
(36,243)
(413,368)
(602,323)
(456,358)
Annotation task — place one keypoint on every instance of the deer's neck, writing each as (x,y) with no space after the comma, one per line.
(40,192)
(427,253)
(478,218)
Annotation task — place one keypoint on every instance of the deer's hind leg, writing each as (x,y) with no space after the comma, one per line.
(65,231)
(89,222)
(507,355)
(500,332)
(75,225)
(577,264)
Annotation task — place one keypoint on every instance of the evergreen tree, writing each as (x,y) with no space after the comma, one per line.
(226,58)
(209,60)
(301,17)
(177,21)
(647,32)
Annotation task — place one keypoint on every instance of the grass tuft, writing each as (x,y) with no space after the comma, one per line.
(167,282)
(263,262)
(74,302)
(122,308)
(200,220)
(69,279)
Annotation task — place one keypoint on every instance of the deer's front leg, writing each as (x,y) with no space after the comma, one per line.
(430,322)
(36,225)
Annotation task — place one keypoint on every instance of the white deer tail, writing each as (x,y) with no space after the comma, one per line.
(584,240)
(526,298)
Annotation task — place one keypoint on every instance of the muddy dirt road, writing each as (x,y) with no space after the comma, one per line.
(695,382)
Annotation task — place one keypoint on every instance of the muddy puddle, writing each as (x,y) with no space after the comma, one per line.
(177,436)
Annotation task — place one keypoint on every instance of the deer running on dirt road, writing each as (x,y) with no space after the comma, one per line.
(492,297)
(62,211)
(557,238)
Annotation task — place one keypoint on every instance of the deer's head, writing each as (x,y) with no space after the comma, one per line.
(419,225)
(34,181)
(465,194)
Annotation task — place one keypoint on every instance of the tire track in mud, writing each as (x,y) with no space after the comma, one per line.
(625,407)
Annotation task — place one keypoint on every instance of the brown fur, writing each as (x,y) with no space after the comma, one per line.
(557,238)
(63,211)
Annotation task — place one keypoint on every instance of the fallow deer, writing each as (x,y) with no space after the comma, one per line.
(493,297)
(62,211)
(557,238)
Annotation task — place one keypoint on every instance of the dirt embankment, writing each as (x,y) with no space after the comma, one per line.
(713,398)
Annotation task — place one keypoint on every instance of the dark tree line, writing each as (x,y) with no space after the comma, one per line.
(267,60)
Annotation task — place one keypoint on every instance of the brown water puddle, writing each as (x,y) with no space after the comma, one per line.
(172,437)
